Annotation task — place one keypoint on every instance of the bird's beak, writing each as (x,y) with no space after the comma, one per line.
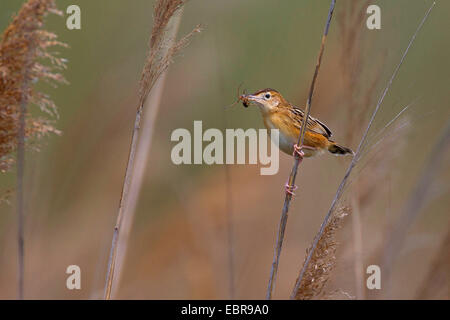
(247,99)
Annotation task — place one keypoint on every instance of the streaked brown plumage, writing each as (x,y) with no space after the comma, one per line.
(278,113)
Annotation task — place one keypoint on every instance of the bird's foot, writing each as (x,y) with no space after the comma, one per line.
(290,189)
(298,152)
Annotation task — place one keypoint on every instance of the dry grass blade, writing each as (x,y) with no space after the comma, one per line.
(356,158)
(293,175)
(159,57)
(323,260)
(23,44)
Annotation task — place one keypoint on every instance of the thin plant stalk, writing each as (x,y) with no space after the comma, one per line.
(124,194)
(25,59)
(159,57)
(357,156)
(151,106)
(297,160)
(21,172)
(20,199)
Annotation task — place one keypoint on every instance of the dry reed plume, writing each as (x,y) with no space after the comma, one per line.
(160,54)
(323,260)
(152,104)
(24,43)
(159,58)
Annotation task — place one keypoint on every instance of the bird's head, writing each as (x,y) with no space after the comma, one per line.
(267,99)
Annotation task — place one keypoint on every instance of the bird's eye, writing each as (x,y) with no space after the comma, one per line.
(267,96)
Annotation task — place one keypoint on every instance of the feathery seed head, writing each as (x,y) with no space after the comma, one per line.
(161,53)
(323,260)
(24,43)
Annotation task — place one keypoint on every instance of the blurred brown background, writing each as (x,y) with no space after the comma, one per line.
(178,246)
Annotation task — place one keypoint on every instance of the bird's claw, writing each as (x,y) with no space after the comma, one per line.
(298,152)
(290,189)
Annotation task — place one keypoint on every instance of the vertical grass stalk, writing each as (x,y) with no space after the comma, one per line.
(151,106)
(20,199)
(24,60)
(293,175)
(159,57)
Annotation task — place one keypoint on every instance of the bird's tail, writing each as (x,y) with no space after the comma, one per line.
(339,150)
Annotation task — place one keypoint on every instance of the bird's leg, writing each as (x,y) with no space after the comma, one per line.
(298,151)
(299,154)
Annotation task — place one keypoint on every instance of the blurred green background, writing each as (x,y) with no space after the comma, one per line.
(178,246)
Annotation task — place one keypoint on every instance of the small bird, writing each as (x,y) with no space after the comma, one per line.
(278,113)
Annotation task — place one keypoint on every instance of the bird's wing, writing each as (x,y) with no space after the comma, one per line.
(313,124)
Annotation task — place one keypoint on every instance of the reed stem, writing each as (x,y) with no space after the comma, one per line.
(293,175)
(125,189)
(151,105)
(159,56)
(20,199)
